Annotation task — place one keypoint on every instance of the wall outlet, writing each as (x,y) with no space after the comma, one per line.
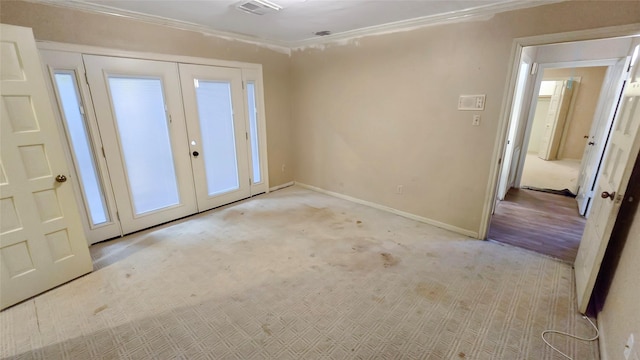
(476,120)
(399,189)
(629,347)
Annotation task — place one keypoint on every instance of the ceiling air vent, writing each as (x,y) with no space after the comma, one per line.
(258,7)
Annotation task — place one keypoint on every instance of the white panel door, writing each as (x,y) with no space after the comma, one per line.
(256,127)
(620,157)
(42,243)
(84,147)
(214,108)
(139,111)
(599,133)
(558,109)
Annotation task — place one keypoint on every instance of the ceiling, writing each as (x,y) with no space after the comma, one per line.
(298,21)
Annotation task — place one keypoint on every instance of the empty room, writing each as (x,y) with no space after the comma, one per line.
(306,179)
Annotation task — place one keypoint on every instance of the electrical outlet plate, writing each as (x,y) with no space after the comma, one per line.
(476,120)
(471,102)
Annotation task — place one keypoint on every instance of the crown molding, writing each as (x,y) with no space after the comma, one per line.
(484,12)
(286,47)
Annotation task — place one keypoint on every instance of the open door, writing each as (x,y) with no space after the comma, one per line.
(519,113)
(42,244)
(556,117)
(620,156)
(599,133)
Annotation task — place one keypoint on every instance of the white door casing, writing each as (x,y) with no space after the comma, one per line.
(42,243)
(603,118)
(620,156)
(254,76)
(100,71)
(69,61)
(194,78)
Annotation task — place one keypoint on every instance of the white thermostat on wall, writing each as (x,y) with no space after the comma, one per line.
(471,102)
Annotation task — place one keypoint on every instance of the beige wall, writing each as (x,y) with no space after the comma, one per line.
(580,117)
(76,27)
(381,111)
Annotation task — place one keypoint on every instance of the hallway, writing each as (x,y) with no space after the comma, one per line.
(545,223)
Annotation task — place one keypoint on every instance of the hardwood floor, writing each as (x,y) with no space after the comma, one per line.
(545,223)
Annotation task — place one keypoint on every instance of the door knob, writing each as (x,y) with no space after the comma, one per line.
(61,178)
(195,154)
(605,195)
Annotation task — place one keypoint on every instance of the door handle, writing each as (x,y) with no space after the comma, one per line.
(591,143)
(195,154)
(61,178)
(605,195)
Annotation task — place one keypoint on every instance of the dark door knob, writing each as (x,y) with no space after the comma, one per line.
(591,143)
(61,178)
(195,154)
(605,195)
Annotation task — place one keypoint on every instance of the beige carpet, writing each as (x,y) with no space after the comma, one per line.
(300,275)
(555,174)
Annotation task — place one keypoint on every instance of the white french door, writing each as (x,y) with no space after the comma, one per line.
(139,111)
(84,145)
(152,141)
(214,108)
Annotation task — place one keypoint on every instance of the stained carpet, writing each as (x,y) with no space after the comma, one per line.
(300,275)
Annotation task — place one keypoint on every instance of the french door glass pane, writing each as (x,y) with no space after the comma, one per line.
(83,154)
(146,146)
(253,131)
(218,142)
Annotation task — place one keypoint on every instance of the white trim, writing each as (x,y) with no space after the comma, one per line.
(96,50)
(285,47)
(475,13)
(281,186)
(435,223)
(516,51)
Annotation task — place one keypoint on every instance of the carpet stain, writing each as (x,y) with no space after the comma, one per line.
(462,355)
(389,260)
(430,291)
(265,328)
(127,276)
(100,309)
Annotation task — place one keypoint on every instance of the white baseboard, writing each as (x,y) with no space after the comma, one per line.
(435,223)
(281,186)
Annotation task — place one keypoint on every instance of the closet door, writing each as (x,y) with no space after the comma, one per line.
(139,111)
(214,108)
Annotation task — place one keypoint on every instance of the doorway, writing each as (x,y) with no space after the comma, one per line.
(538,210)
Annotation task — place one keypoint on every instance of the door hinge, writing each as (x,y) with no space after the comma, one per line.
(246,135)
(86,78)
(534,68)
(242,85)
(81,110)
(118,215)
(103,155)
(170,119)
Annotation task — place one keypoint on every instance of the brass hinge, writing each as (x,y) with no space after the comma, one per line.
(103,155)
(118,215)
(86,77)
(246,135)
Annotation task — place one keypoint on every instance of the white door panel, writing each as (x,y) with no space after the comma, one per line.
(214,107)
(84,145)
(139,111)
(42,243)
(620,156)
(603,118)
